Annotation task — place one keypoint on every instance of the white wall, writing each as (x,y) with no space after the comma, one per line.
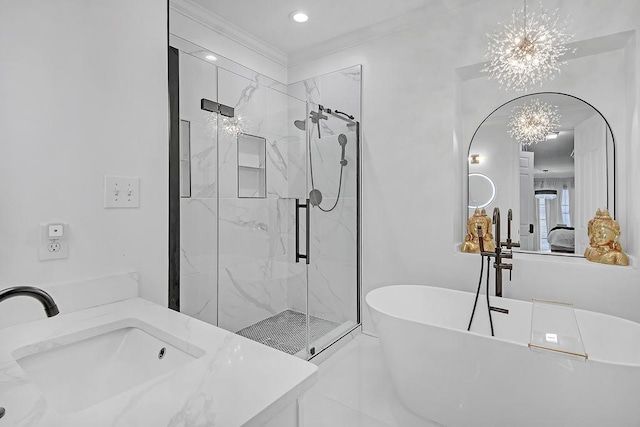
(496,148)
(414,152)
(83,94)
(197,25)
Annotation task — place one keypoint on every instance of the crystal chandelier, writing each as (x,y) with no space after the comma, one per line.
(527,50)
(531,122)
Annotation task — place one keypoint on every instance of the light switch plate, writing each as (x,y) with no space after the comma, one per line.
(121,192)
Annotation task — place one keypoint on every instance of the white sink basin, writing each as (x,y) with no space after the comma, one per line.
(80,370)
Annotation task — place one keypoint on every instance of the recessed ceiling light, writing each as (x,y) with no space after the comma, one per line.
(211,58)
(299,16)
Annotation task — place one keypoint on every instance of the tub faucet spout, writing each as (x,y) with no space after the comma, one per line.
(510,243)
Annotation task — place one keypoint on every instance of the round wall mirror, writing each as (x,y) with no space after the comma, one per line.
(482,190)
(551,159)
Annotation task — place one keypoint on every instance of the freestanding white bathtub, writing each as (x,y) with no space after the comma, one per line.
(457,378)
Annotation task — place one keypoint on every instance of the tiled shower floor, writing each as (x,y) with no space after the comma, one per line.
(286,331)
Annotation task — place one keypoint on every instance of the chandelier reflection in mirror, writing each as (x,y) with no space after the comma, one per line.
(531,122)
(527,50)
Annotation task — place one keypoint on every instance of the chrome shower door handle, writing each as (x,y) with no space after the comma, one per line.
(304,256)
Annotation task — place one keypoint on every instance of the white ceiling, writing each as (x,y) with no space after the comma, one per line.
(328,19)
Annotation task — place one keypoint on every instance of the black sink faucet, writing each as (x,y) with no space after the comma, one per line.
(45,299)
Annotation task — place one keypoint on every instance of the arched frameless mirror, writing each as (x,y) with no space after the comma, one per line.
(555,181)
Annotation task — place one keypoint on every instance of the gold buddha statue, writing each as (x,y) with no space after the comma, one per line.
(604,247)
(471,241)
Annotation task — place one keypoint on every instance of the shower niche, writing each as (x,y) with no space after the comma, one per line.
(252,177)
(242,227)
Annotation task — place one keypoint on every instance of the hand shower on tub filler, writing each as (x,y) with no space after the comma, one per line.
(498,264)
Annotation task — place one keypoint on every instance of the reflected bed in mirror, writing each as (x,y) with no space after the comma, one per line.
(554,166)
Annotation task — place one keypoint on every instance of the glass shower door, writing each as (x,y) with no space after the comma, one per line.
(262,170)
(260,254)
(332,273)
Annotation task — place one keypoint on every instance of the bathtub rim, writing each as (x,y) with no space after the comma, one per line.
(462,331)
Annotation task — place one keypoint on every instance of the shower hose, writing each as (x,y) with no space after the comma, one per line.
(475,303)
(313,185)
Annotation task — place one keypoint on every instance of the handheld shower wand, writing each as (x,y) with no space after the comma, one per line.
(315,196)
(342,140)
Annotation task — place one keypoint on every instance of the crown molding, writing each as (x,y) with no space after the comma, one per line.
(223,27)
(363,35)
(346,41)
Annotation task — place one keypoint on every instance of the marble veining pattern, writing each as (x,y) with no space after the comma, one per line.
(199,296)
(326,155)
(244,228)
(312,90)
(332,272)
(277,129)
(277,169)
(251,237)
(252,281)
(279,227)
(198,240)
(296,149)
(198,393)
(249,98)
(256,273)
(251,292)
(203,161)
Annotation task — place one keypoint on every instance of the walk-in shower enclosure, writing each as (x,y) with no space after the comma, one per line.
(255,257)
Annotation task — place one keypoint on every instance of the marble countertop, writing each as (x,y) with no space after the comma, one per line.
(237,382)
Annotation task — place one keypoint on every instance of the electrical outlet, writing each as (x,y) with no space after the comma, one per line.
(121,192)
(54,246)
(54,242)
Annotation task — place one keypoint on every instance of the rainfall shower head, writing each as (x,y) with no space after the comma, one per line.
(300,124)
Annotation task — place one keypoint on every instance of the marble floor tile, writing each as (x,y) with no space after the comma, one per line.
(320,411)
(356,379)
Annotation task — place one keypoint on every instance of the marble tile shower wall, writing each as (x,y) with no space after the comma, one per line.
(332,273)
(253,241)
(237,253)
(198,240)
